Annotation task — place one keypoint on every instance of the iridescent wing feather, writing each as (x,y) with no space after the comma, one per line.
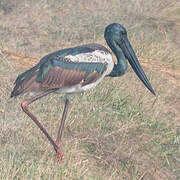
(57,71)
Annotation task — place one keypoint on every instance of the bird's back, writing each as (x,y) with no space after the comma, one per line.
(69,70)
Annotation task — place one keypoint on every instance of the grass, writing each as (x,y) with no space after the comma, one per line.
(116,131)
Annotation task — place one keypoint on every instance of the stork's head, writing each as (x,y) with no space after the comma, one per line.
(116,37)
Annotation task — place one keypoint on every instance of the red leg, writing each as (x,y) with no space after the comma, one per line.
(59,153)
(24,106)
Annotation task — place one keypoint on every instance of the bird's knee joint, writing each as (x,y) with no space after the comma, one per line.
(24,104)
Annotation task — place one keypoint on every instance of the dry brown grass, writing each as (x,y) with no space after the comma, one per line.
(118,130)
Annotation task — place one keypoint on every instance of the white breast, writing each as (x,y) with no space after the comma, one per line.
(95,56)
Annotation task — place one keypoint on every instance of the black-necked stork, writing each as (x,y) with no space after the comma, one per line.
(75,70)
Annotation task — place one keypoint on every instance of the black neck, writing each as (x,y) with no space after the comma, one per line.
(121,66)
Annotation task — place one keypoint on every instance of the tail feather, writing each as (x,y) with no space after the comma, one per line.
(25,83)
(25,75)
(27,80)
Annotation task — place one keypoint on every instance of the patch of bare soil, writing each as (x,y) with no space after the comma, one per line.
(167,71)
(169,101)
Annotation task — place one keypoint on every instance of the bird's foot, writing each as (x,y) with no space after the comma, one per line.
(59,156)
(59,153)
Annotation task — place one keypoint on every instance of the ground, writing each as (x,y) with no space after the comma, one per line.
(116,131)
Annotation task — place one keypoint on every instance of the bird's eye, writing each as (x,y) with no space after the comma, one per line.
(124,33)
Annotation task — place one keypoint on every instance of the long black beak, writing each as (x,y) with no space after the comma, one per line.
(133,61)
